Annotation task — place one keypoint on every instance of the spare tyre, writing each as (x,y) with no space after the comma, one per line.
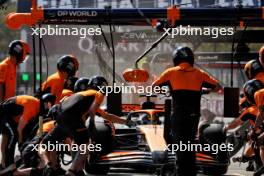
(213,133)
(102,134)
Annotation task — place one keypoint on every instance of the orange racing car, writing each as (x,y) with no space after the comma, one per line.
(144,148)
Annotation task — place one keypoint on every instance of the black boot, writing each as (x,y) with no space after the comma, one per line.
(259,172)
(250,166)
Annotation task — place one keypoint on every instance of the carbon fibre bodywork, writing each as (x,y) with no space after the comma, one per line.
(144,148)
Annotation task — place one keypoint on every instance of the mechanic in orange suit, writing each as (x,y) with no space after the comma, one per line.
(71,119)
(254,70)
(254,91)
(19,113)
(185,83)
(32,161)
(67,66)
(248,114)
(18,51)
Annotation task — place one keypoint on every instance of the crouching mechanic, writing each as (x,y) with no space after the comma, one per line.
(32,165)
(248,114)
(253,70)
(254,93)
(71,123)
(19,114)
(18,52)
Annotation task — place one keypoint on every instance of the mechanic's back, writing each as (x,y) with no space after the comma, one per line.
(185,83)
(78,103)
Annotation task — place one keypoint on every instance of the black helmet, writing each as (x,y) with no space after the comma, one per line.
(98,81)
(250,88)
(252,68)
(68,64)
(261,55)
(19,49)
(183,54)
(48,97)
(81,84)
(70,82)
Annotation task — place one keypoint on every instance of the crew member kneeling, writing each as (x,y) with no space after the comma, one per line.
(71,123)
(19,115)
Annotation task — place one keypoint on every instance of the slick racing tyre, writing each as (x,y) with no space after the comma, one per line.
(101,134)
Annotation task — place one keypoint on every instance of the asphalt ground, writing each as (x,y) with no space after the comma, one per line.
(235,169)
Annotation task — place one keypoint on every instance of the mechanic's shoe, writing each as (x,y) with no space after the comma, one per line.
(250,166)
(259,172)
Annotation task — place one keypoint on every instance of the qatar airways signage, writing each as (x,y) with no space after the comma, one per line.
(141,3)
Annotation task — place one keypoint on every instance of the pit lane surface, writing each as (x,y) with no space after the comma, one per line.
(234,170)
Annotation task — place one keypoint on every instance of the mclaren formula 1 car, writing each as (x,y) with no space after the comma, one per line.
(145,147)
